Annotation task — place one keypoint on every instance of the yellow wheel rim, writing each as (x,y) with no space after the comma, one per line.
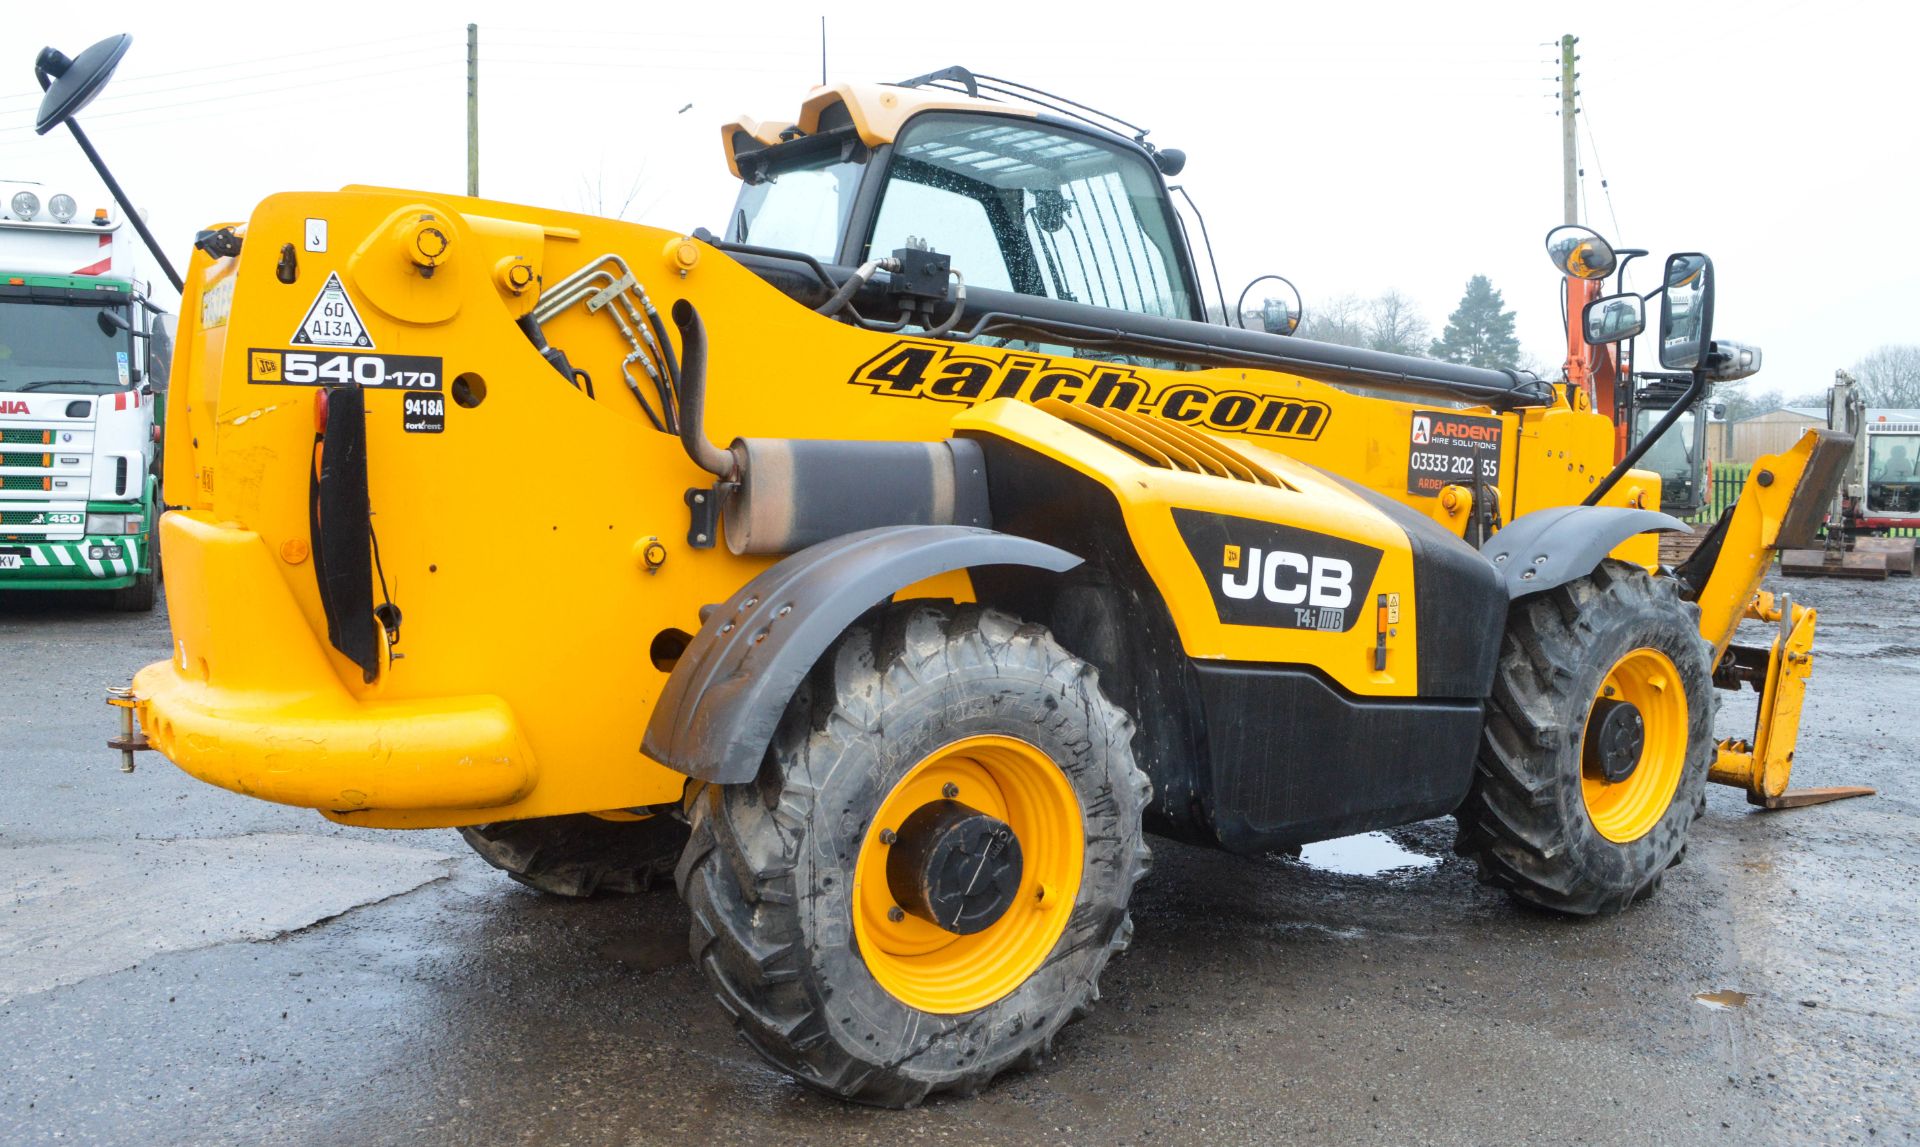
(923,965)
(1627,810)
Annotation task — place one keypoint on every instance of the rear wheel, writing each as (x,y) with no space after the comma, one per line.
(1597,743)
(581,854)
(933,867)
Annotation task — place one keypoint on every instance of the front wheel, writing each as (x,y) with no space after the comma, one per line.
(933,867)
(1598,739)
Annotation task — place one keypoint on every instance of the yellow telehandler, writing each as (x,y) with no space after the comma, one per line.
(887,567)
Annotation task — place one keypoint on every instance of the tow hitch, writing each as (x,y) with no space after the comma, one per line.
(131,740)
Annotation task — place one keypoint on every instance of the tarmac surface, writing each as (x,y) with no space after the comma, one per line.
(182,965)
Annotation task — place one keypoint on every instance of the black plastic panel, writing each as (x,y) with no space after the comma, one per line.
(1295,760)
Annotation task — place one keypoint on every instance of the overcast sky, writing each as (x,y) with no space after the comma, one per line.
(1353,148)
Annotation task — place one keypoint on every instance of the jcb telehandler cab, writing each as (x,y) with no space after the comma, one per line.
(887,568)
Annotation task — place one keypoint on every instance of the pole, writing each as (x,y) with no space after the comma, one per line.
(126,205)
(823,51)
(1569,159)
(473,109)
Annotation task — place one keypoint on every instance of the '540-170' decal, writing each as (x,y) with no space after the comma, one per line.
(343,368)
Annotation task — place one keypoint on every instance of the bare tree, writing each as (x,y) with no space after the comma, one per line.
(1890,376)
(1394,325)
(596,199)
(1341,319)
(1743,402)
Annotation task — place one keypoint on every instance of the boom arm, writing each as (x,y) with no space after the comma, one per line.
(1780,507)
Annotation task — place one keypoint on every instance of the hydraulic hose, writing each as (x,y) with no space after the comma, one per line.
(849,288)
(959,307)
(693,394)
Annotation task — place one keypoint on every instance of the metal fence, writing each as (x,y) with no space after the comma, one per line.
(1724,486)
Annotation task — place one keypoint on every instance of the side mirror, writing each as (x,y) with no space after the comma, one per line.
(71,84)
(1276,309)
(1613,318)
(1686,311)
(113,322)
(1580,252)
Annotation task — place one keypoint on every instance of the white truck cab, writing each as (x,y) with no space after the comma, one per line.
(83,361)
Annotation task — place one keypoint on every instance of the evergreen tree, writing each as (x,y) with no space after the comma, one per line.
(1480,330)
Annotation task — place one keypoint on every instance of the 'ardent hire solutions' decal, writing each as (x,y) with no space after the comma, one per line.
(943,372)
(331,320)
(341,368)
(1448,449)
(1283,577)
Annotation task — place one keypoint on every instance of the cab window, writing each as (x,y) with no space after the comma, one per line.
(1893,473)
(1042,210)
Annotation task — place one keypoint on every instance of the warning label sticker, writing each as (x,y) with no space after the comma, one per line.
(332,321)
(1451,449)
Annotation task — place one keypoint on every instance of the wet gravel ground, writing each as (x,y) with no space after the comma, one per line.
(1264,1000)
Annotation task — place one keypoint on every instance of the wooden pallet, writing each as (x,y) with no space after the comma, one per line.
(1678,547)
(1845,563)
(1899,552)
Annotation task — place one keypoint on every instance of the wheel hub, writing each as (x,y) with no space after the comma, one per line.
(1616,737)
(954,867)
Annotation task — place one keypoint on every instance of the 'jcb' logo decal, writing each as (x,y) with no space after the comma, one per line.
(945,373)
(1287,578)
(1275,575)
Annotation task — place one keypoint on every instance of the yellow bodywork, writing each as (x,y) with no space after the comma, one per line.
(537,546)
(1763,764)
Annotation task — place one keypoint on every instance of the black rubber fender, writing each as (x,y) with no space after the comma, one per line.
(718,711)
(1548,548)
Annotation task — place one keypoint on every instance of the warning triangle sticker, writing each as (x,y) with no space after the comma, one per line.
(332,321)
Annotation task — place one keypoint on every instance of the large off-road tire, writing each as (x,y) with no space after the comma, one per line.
(581,854)
(922,712)
(1543,818)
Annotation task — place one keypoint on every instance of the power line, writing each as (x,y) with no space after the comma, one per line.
(119,96)
(1605,190)
(387,82)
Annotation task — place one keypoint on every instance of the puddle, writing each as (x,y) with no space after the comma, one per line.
(1726,999)
(1369,854)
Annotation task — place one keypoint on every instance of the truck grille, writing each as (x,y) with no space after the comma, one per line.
(26,461)
(26,437)
(16,482)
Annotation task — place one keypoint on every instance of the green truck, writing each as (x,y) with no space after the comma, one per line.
(84,354)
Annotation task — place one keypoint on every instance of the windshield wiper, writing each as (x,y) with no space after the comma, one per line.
(46,382)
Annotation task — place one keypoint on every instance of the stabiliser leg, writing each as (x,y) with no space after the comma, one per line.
(1763,765)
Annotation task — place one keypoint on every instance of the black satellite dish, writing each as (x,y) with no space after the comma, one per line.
(72,84)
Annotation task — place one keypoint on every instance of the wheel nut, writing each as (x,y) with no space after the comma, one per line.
(888,836)
(950,790)
(896,914)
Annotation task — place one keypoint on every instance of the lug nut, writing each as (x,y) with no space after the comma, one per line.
(888,836)
(896,914)
(950,790)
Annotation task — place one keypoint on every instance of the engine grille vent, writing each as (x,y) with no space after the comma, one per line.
(1162,443)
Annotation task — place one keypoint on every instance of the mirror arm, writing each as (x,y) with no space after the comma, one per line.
(1685,402)
(120,197)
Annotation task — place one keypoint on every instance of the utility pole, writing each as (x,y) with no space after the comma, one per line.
(473,109)
(1569,157)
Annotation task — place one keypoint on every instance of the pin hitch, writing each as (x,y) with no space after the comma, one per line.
(131,740)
